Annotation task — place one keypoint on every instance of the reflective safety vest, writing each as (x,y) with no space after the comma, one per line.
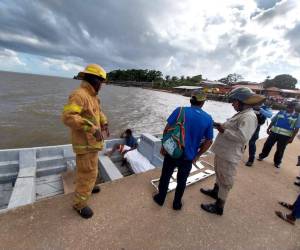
(284,123)
(84,116)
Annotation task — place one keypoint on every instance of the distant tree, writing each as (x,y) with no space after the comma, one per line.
(182,78)
(231,79)
(174,78)
(283,81)
(197,78)
(139,75)
(167,78)
(188,78)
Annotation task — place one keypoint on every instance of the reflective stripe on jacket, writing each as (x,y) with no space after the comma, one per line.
(284,123)
(83,115)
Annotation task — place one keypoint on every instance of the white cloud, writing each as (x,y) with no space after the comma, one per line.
(58,64)
(9,58)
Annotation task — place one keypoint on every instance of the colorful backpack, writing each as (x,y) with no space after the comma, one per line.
(173,137)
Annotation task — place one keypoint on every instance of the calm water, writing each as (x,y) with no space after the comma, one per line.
(31,105)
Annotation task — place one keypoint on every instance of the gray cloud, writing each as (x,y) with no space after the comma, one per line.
(280,9)
(266,4)
(120,34)
(117,34)
(294,37)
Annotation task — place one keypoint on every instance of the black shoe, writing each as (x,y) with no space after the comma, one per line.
(298,177)
(259,158)
(158,200)
(214,208)
(277,165)
(297,184)
(213,193)
(85,212)
(177,205)
(96,190)
(249,163)
(298,163)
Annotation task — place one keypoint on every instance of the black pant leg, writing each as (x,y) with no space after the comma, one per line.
(166,173)
(281,145)
(184,170)
(268,145)
(252,145)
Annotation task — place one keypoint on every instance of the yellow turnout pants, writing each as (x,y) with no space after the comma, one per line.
(86,175)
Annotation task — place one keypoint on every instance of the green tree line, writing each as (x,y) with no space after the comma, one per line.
(154,76)
(138,75)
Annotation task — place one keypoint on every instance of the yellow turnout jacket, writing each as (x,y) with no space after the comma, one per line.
(83,115)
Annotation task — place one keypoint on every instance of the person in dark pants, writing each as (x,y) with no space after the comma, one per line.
(297,183)
(294,215)
(169,165)
(198,125)
(282,130)
(262,113)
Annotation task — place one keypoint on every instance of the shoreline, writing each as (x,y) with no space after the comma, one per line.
(210,96)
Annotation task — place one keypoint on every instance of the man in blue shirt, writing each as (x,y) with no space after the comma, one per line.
(282,130)
(198,128)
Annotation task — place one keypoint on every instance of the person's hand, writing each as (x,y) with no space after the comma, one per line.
(291,140)
(163,152)
(105,129)
(220,128)
(195,160)
(98,135)
(268,131)
(124,152)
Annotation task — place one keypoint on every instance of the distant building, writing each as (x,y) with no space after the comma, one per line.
(257,88)
(186,90)
(215,87)
(291,93)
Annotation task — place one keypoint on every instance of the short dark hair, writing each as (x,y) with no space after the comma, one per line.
(128,131)
(194,101)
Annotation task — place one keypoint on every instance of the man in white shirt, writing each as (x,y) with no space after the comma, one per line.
(230,145)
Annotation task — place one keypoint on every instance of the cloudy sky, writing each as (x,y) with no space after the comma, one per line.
(255,38)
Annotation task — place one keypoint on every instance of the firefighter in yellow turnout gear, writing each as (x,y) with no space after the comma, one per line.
(88,124)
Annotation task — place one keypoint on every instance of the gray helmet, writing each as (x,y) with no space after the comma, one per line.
(245,95)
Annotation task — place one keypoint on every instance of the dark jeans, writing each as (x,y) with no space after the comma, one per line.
(296,209)
(184,168)
(281,140)
(252,145)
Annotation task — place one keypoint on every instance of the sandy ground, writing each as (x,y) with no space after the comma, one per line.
(126,217)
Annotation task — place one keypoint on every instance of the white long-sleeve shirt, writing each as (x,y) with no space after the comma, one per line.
(230,145)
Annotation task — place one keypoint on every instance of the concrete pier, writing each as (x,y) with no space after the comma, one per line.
(126,217)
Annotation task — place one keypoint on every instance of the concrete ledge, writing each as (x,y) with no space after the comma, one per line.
(149,147)
(23,193)
(24,190)
(108,170)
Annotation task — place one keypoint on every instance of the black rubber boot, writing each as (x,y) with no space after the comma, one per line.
(298,163)
(177,205)
(158,200)
(85,212)
(211,192)
(96,190)
(214,208)
(249,163)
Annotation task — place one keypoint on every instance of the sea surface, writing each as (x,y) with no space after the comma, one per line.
(31,107)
